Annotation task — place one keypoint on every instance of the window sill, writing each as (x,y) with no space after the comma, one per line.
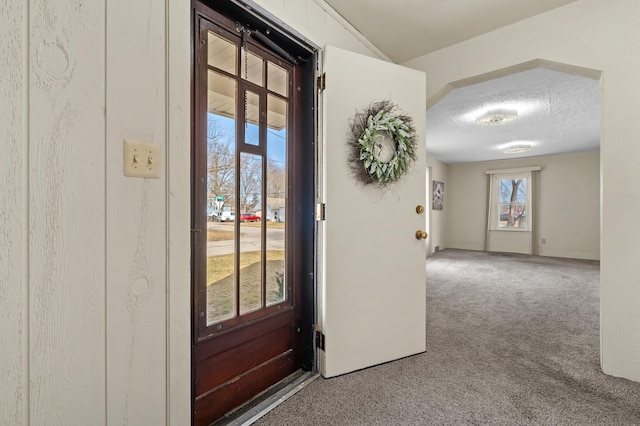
(511,230)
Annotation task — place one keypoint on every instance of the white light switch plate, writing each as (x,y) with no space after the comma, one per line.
(141,159)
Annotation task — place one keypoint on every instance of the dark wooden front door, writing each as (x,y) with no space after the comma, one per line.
(248,219)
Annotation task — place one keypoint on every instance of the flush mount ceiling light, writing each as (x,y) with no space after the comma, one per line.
(497,117)
(517,149)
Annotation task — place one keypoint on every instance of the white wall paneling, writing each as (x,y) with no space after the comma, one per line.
(66,212)
(136,215)
(13,212)
(178,164)
(83,250)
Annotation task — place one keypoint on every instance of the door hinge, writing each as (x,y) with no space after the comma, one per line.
(322,82)
(319,339)
(321,211)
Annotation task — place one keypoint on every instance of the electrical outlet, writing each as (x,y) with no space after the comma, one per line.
(141,159)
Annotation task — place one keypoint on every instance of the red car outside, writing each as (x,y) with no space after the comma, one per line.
(249,217)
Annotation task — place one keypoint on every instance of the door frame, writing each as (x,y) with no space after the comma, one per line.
(304,160)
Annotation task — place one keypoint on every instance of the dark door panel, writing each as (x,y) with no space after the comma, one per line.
(214,404)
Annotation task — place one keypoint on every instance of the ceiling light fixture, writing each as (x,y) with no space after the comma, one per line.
(497,117)
(517,149)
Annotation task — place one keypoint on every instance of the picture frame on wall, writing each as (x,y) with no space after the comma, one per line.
(438,195)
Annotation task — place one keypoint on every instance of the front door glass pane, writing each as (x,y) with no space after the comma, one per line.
(251,67)
(277,79)
(250,233)
(222,53)
(221,189)
(251,125)
(246,182)
(276,199)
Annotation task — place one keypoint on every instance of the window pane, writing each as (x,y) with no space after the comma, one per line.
(276,198)
(221,97)
(512,215)
(512,199)
(251,67)
(521,215)
(222,53)
(513,190)
(251,125)
(221,136)
(250,233)
(277,79)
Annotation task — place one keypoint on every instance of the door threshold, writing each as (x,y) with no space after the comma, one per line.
(250,412)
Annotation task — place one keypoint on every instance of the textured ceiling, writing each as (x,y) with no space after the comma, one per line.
(557,113)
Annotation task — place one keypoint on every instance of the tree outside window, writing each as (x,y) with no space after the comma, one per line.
(512,203)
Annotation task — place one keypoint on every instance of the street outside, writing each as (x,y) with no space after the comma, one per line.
(249,241)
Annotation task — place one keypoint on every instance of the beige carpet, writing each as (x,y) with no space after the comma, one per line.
(511,340)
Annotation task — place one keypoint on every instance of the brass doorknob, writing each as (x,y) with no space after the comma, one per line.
(421,235)
(419,209)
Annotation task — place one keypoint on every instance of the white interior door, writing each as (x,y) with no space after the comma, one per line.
(372,295)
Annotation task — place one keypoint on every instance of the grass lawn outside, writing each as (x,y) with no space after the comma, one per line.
(221,283)
(219,235)
(275,225)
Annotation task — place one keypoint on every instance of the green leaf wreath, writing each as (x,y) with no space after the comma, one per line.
(380,117)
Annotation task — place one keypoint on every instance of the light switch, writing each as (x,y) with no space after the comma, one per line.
(141,159)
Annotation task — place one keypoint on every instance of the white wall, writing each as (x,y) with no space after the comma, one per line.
(568,204)
(600,35)
(94,266)
(437,232)
(466,206)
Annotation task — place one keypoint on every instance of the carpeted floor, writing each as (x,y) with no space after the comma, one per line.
(511,340)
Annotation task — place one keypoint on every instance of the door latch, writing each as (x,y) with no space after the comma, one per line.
(319,339)
(321,211)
